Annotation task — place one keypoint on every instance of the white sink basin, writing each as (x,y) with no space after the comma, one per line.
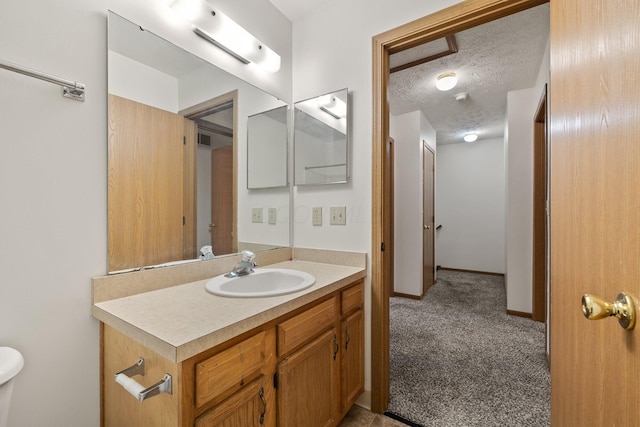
(11,362)
(265,282)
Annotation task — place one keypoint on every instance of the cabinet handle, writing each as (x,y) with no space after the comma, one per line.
(346,344)
(335,342)
(264,405)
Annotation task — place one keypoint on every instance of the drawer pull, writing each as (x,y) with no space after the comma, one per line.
(136,389)
(335,342)
(346,344)
(264,405)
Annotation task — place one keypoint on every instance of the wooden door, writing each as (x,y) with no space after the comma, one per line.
(145,185)
(308,387)
(245,408)
(389,215)
(222,239)
(595,208)
(190,190)
(352,359)
(428,218)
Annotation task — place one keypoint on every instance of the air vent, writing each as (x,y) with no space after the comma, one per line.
(204,140)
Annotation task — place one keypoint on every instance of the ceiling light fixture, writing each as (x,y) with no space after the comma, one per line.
(470,137)
(446,81)
(220,30)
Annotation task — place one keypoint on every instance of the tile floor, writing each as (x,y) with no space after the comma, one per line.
(360,417)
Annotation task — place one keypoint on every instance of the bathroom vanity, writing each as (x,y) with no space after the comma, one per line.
(290,360)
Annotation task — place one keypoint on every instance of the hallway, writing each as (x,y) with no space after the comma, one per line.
(457,358)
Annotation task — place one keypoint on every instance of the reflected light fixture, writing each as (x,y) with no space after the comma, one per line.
(470,137)
(333,106)
(446,81)
(220,30)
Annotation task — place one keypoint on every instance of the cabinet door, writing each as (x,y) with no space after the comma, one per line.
(245,408)
(352,359)
(308,387)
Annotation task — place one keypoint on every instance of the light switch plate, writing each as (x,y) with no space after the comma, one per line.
(316,216)
(256,215)
(272,215)
(338,215)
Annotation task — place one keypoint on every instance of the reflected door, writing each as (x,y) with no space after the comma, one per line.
(145,185)
(222,219)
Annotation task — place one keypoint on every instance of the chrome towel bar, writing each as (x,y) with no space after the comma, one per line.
(70,89)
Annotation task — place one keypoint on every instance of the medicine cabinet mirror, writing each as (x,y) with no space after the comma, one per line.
(177,156)
(267,150)
(321,139)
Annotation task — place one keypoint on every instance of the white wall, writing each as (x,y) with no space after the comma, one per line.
(408,131)
(141,83)
(471,205)
(342,58)
(521,108)
(53,187)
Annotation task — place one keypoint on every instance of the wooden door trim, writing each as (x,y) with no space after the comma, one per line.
(539,261)
(459,17)
(201,109)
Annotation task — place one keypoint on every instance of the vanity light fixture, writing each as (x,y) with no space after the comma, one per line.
(470,137)
(333,106)
(446,81)
(220,30)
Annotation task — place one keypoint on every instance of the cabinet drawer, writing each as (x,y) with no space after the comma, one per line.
(230,369)
(352,298)
(304,326)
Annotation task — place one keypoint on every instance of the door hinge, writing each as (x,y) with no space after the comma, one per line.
(382,247)
(184,221)
(275,381)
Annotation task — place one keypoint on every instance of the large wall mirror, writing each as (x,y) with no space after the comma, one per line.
(321,139)
(177,156)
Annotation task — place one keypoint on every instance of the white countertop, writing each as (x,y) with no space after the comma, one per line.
(181,321)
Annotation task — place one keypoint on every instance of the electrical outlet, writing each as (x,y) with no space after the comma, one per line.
(256,215)
(338,215)
(272,215)
(316,216)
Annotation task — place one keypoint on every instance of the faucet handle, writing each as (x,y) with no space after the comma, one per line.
(248,256)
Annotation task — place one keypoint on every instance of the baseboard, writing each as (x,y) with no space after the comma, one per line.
(398,294)
(519,313)
(471,271)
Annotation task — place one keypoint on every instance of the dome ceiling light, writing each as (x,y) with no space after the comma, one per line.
(470,137)
(446,81)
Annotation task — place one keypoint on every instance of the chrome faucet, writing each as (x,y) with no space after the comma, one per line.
(245,266)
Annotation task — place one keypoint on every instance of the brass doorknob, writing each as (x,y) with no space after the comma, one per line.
(623,308)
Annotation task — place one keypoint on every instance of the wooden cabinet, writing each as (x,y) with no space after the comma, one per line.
(305,368)
(308,388)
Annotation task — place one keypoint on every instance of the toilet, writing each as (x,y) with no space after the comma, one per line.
(11,362)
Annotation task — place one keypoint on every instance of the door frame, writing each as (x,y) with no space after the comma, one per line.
(540,203)
(459,17)
(201,110)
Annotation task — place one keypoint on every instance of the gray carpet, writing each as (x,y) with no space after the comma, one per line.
(457,359)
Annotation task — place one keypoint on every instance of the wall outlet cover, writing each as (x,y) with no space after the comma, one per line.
(338,215)
(256,215)
(316,216)
(272,215)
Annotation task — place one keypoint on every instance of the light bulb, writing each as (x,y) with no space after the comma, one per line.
(470,137)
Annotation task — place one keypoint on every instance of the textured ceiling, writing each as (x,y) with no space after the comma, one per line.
(492,59)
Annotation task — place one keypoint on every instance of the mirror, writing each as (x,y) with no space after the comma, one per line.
(267,157)
(321,129)
(177,156)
